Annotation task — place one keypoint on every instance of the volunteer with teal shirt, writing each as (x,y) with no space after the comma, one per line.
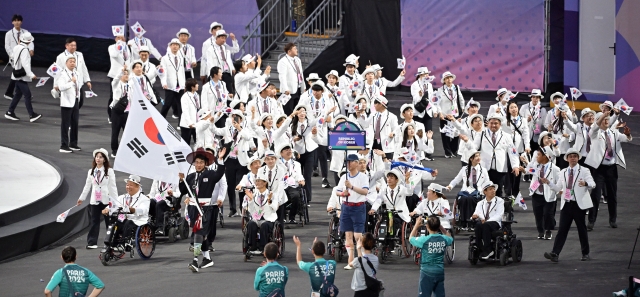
(78,276)
(319,269)
(272,276)
(433,248)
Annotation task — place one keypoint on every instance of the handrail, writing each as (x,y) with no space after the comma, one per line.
(319,30)
(266,27)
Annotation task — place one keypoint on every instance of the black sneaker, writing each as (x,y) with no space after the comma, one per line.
(34,117)
(65,149)
(206,263)
(613,225)
(113,154)
(75,147)
(541,235)
(193,266)
(590,226)
(551,256)
(8,97)
(325,183)
(211,248)
(292,222)
(429,159)
(585,258)
(12,116)
(547,235)
(232,212)
(316,172)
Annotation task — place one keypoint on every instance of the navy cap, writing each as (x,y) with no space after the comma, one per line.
(352,157)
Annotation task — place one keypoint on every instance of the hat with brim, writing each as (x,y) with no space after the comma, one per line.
(606,103)
(368,70)
(435,187)
(475,115)
(447,74)
(254,159)
(548,151)
(69,57)
(183,31)
(268,154)
(489,185)
(262,176)
(351,60)
(340,116)
(407,126)
(381,99)
(103,151)
(557,94)
(312,76)
(282,146)
(203,113)
(215,24)
(264,116)
(145,48)
(320,83)
(306,107)
(133,178)
(541,137)
(501,92)
(536,92)
(238,113)
(377,67)
(262,86)
(200,152)
(571,151)
(352,157)
(221,32)
(235,103)
(472,102)
(422,70)
(26,37)
(174,41)
(495,117)
(405,107)
(587,111)
(395,172)
(362,96)
(248,58)
(401,153)
(332,72)
(564,108)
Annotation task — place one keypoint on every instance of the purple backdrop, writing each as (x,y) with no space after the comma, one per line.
(487,44)
(163,19)
(66,17)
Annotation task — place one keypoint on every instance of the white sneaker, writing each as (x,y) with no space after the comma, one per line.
(8,97)
(348,267)
(175,117)
(109,120)
(90,247)
(621,293)
(488,256)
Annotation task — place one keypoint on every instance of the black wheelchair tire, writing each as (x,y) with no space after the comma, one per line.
(406,246)
(172,234)
(516,250)
(184,229)
(504,257)
(105,257)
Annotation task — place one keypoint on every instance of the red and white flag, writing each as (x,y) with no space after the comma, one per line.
(575,93)
(63,216)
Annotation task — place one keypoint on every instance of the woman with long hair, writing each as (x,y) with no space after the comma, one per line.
(304,134)
(470,135)
(413,142)
(101,181)
(190,104)
(472,176)
(561,133)
(518,128)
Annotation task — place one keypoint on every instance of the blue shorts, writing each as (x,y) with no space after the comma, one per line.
(352,218)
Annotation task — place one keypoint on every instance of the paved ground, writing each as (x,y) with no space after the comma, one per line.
(166,274)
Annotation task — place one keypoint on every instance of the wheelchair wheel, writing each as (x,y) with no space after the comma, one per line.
(304,210)
(406,232)
(417,254)
(278,237)
(184,229)
(145,241)
(516,250)
(105,257)
(473,253)
(221,217)
(172,234)
(245,248)
(450,251)
(504,257)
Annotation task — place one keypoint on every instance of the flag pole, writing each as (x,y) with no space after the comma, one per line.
(187,185)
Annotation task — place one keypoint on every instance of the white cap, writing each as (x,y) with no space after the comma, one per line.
(247,58)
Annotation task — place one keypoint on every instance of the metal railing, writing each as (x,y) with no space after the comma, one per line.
(319,30)
(266,28)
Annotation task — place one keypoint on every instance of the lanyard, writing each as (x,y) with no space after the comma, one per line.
(175,66)
(266,198)
(193,98)
(95,179)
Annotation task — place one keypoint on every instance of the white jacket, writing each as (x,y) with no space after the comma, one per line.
(214,57)
(308,141)
(11,40)
(435,207)
(582,195)
(244,142)
(119,89)
(150,71)
(538,116)
(24,62)
(173,72)
(581,132)
(81,66)
(269,210)
(552,173)
(598,146)
(383,83)
(139,201)
(244,82)
(158,192)
(204,135)
(210,96)
(473,141)
(416,88)
(137,81)
(204,68)
(291,78)
(451,105)
(496,210)
(497,153)
(190,103)
(69,91)
(273,108)
(293,172)
(388,125)
(117,60)
(106,185)
(519,131)
(398,201)
(187,52)
(482,177)
(138,42)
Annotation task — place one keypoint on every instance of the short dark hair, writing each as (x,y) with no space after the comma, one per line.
(190,84)
(69,40)
(289,46)
(318,248)
(214,70)
(317,88)
(271,251)
(69,254)
(237,64)
(433,223)
(136,63)
(271,85)
(16,17)
(203,158)
(217,26)
(368,241)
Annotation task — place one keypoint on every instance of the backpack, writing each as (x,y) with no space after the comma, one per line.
(327,289)
(372,283)
(72,289)
(421,105)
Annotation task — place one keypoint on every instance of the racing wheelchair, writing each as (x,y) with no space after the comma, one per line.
(142,241)
(336,239)
(174,224)
(504,242)
(276,236)
(450,251)
(388,239)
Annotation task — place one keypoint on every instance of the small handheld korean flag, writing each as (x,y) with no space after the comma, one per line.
(138,30)
(90,94)
(402,63)
(161,73)
(448,214)
(320,121)
(575,93)
(63,216)
(120,45)
(54,70)
(520,201)
(284,98)
(623,106)
(117,30)
(42,81)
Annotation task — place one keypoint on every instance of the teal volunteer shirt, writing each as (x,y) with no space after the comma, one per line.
(433,249)
(317,275)
(79,276)
(270,277)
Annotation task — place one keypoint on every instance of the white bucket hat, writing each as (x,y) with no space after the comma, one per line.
(334,73)
(405,106)
(133,178)
(472,102)
(447,74)
(313,76)
(536,92)
(495,117)
(215,24)
(369,70)
(587,111)
(557,94)
(26,37)
(422,70)
(103,151)
(501,92)
(571,150)
(183,31)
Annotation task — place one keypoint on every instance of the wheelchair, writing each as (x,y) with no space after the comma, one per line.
(450,251)
(174,223)
(335,239)
(115,247)
(457,224)
(504,242)
(388,241)
(277,236)
(303,209)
